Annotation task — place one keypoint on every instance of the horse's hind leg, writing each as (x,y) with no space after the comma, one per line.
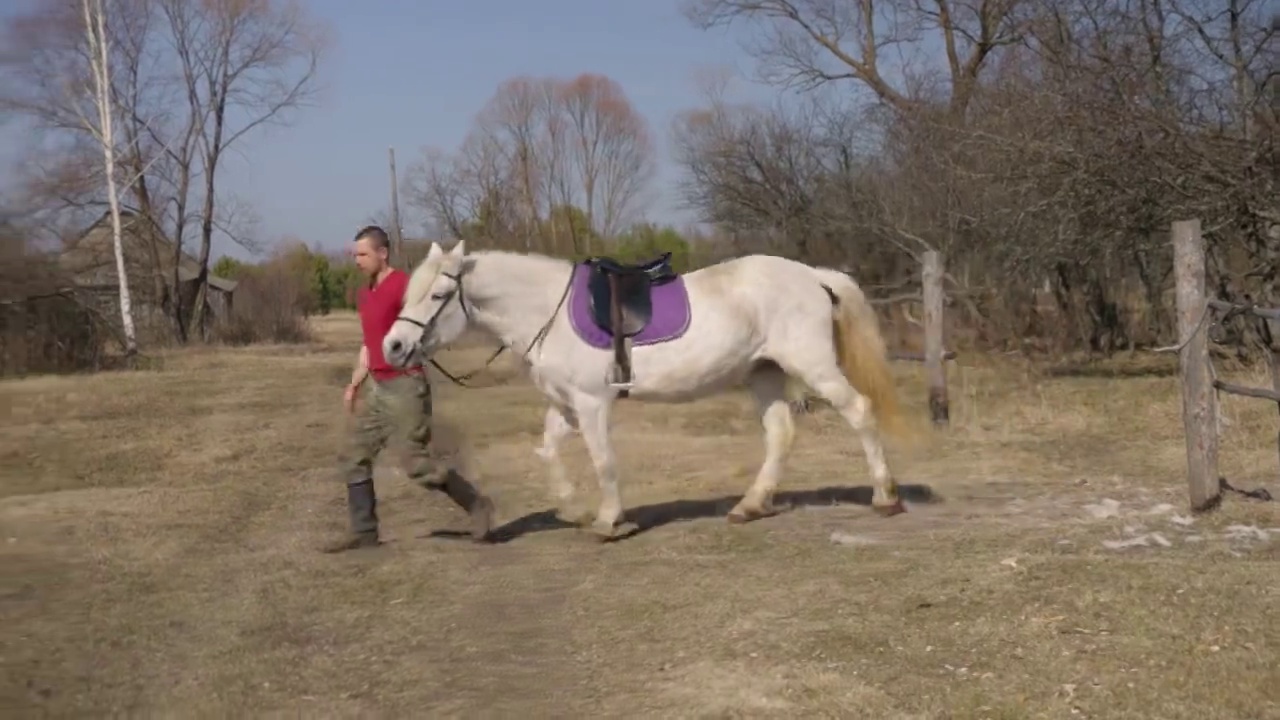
(856,410)
(560,424)
(768,384)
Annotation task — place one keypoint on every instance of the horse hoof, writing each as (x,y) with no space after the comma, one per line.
(891,509)
(609,533)
(738,516)
(579,518)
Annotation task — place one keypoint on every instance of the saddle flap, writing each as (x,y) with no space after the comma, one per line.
(633,296)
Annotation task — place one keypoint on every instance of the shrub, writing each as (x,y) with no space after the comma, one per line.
(270,305)
(44,326)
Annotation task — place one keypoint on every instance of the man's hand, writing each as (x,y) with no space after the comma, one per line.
(349,398)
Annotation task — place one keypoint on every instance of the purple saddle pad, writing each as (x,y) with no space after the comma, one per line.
(670,319)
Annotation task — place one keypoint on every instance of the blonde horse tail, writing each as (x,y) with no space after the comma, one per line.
(860,350)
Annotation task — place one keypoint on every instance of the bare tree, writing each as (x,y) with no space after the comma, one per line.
(557,186)
(515,120)
(807,43)
(548,161)
(253,60)
(612,151)
(469,194)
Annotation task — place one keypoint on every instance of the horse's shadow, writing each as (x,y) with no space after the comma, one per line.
(648,517)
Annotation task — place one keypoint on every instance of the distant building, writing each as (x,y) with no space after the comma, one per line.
(90,261)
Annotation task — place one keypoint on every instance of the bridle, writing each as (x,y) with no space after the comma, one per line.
(431,321)
(457,292)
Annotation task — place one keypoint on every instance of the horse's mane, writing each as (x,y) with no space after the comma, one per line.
(424,276)
(547,261)
(420,280)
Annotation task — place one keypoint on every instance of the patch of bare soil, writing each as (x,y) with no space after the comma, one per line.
(159,533)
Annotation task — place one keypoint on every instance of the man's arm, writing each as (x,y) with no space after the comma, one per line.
(361,370)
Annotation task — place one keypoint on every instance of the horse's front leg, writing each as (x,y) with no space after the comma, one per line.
(593,422)
(561,422)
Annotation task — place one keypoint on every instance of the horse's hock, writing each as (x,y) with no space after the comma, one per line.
(935,355)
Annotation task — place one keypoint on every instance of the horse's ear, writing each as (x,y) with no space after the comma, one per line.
(434,252)
(459,249)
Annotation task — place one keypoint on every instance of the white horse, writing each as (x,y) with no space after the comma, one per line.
(757,319)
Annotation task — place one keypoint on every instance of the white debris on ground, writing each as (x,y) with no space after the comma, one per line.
(842,538)
(1246,532)
(1108,508)
(1140,540)
(1137,535)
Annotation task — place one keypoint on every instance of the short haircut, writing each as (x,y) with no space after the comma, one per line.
(374,234)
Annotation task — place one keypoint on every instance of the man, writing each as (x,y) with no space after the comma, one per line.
(395,402)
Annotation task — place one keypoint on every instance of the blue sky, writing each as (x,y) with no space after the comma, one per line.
(408,74)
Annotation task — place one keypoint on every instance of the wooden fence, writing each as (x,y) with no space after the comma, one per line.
(935,355)
(1200,385)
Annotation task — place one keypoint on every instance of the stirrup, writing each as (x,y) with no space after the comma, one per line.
(614,381)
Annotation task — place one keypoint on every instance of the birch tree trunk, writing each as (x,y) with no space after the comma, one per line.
(95,22)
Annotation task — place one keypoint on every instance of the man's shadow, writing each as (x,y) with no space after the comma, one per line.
(648,517)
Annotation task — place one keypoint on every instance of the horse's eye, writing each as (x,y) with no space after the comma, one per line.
(441,296)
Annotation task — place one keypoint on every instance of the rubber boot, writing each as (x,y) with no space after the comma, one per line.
(362,508)
(472,501)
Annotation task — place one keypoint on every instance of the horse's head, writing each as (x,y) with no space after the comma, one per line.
(435,308)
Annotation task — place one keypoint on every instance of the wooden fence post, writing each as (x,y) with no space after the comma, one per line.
(1199,397)
(935,370)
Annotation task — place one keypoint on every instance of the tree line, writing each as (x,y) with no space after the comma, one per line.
(327,281)
(1043,147)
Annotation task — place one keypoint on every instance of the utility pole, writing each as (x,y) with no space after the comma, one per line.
(396,237)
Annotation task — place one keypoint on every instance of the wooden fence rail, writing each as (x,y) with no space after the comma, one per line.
(1200,385)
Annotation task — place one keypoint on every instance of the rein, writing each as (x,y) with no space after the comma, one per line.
(537,338)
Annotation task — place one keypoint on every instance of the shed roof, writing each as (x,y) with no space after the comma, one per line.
(92,253)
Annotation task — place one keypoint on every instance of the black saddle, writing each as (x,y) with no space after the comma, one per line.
(621,302)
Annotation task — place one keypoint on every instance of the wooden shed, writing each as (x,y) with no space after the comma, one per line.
(149,258)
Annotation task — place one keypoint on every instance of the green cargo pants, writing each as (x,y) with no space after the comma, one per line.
(400,409)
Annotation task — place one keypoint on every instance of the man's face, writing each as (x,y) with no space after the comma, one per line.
(370,258)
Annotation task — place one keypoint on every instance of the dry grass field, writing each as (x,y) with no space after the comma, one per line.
(159,533)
